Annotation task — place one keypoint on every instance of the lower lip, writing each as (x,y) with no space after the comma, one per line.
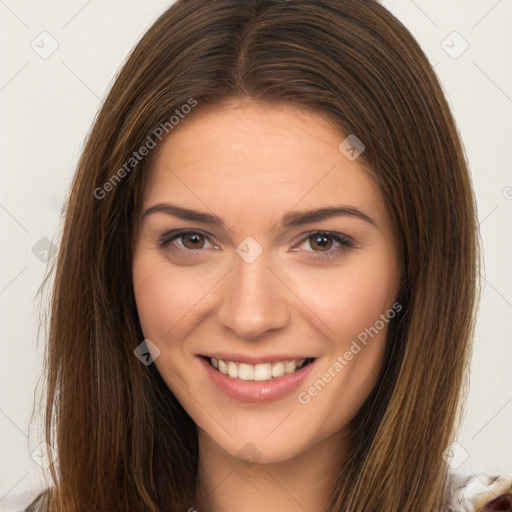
(257,391)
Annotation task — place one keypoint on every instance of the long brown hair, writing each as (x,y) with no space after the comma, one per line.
(123,441)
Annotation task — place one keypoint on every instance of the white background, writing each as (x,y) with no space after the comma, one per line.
(48,105)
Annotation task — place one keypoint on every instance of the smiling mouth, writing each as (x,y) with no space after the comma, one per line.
(257,372)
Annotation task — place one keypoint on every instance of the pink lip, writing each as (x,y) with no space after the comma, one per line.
(256,391)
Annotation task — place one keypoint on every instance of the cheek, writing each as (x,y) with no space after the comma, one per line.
(165,305)
(170,301)
(353,303)
(162,298)
(366,297)
(351,298)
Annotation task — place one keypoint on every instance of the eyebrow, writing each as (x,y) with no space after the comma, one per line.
(289,220)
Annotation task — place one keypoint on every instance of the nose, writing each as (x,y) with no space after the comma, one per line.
(254,300)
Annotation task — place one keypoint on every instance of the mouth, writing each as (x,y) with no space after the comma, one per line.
(260,372)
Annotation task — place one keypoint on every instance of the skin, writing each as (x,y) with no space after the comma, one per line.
(250,164)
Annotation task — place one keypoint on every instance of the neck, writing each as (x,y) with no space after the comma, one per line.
(305,482)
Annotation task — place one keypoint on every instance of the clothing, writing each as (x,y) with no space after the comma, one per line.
(473,492)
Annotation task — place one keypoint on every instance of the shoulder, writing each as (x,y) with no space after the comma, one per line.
(479,492)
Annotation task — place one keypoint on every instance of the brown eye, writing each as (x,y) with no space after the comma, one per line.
(321,242)
(192,240)
(326,244)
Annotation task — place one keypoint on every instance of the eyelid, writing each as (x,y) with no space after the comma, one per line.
(334,234)
(345,242)
(170,236)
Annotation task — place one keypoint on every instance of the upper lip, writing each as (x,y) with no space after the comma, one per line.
(254,359)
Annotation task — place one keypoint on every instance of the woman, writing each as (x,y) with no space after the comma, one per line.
(265,291)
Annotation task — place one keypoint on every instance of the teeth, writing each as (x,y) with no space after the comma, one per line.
(256,372)
(233,370)
(246,371)
(262,371)
(278,369)
(290,366)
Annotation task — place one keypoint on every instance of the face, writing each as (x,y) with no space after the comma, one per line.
(265,272)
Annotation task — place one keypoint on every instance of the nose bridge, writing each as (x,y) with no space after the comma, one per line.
(253,300)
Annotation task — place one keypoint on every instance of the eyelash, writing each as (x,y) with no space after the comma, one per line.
(344,241)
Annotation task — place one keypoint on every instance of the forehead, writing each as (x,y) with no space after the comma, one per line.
(242,159)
